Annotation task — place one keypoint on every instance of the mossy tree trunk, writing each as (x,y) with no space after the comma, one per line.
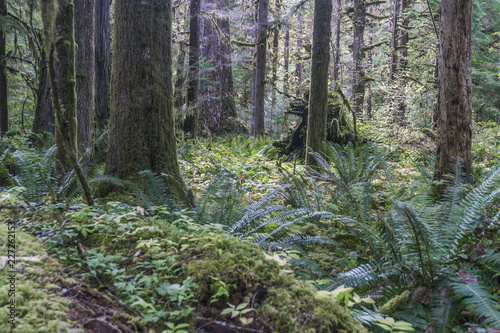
(318,92)
(191,122)
(102,40)
(84,63)
(454,115)
(58,24)
(60,49)
(258,110)
(4,111)
(141,134)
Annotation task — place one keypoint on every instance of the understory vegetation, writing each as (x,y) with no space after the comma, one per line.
(359,243)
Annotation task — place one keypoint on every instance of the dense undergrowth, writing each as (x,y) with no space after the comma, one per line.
(272,246)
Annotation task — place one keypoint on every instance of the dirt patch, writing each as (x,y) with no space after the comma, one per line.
(96,312)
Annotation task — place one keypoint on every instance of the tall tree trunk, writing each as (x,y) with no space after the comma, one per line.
(454,123)
(394,42)
(336,53)
(358,88)
(226,84)
(219,107)
(286,69)
(84,62)
(298,63)
(102,65)
(318,91)
(260,71)
(142,134)
(44,112)
(369,56)
(274,70)
(4,111)
(191,121)
(402,65)
(59,35)
(180,79)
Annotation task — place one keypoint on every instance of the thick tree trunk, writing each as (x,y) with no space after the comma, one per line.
(102,39)
(142,134)
(219,107)
(60,49)
(454,122)
(318,91)
(44,112)
(358,88)
(84,62)
(260,71)
(4,111)
(191,121)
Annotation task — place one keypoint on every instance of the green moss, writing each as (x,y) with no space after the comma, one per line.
(38,309)
(310,230)
(398,303)
(290,304)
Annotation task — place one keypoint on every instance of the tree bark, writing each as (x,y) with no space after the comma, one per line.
(180,80)
(298,65)
(402,65)
(4,111)
(336,53)
(59,35)
(219,107)
(142,134)
(358,88)
(318,91)
(84,63)
(102,65)
(286,69)
(44,112)
(454,118)
(274,69)
(260,71)
(191,121)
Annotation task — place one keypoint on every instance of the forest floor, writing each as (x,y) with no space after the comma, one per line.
(127,266)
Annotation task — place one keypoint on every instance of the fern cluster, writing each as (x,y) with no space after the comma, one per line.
(424,246)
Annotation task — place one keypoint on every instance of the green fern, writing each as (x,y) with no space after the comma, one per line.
(478,299)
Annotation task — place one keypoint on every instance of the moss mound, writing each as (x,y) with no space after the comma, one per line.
(37,307)
(282,302)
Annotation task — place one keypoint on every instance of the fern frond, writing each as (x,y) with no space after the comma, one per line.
(295,240)
(492,261)
(477,298)
(456,228)
(309,265)
(288,218)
